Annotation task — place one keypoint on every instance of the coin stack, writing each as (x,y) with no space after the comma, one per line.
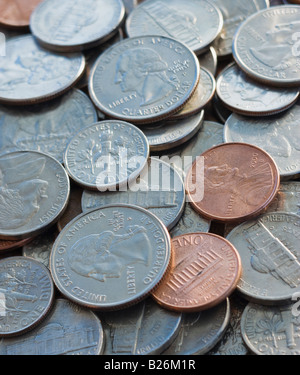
(149,167)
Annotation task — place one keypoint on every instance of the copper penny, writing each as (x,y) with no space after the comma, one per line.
(232,182)
(205,270)
(13,245)
(16,13)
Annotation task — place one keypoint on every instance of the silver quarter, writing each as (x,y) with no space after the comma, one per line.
(70,26)
(159,189)
(168,134)
(200,332)
(201,97)
(190,222)
(195,23)
(26,294)
(269,249)
(106,155)
(30,74)
(144,79)
(271,330)
(244,96)
(234,13)
(279,136)
(45,127)
(34,193)
(69,329)
(111,258)
(144,329)
(209,60)
(265,46)
(40,247)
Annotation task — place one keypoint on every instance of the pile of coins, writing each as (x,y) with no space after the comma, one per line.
(149,167)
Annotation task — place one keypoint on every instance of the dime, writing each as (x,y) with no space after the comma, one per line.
(144,329)
(190,222)
(234,13)
(194,23)
(201,97)
(26,294)
(269,249)
(40,247)
(209,60)
(69,26)
(159,189)
(34,193)
(45,127)
(144,79)
(265,46)
(30,74)
(17,13)
(271,330)
(69,329)
(279,136)
(201,331)
(232,342)
(245,96)
(111,258)
(232,182)
(6,245)
(168,134)
(204,272)
(106,155)
(73,209)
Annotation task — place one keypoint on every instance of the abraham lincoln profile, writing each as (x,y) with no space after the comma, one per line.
(105,255)
(21,189)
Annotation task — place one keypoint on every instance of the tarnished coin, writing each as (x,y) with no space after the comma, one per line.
(26,295)
(234,13)
(168,134)
(196,23)
(159,189)
(201,97)
(232,182)
(244,96)
(73,209)
(209,60)
(265,46)
(106,155)
(7,245)
(111,258)
(204,272)
(34,193)
(68,26)
(45,127)
(30,74)
(271,330)
(144,79)
(287,198)
(144,329)
(190,222)
(201,331)
(40,247)
(17,14)
(279,136)
(269,249)
(69,329)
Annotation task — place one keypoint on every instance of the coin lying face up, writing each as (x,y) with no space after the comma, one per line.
(111,258)
(17,14)
(69,26)
(205,271)
(144,79)
(232,182)
(30,74)
(34,193)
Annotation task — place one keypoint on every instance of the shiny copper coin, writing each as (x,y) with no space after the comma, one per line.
(205,270)
(16,13)
(13,245)
(232,182)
